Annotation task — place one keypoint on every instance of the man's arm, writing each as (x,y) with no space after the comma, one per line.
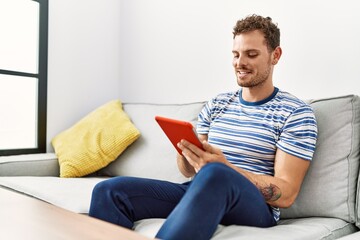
(279,190)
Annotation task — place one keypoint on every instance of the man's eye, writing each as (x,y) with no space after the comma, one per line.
(253,55)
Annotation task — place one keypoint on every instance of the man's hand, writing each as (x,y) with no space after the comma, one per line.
(197,157)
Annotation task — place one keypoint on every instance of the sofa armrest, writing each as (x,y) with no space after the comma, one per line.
(42,164)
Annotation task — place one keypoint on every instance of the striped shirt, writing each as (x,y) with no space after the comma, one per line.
(249,133)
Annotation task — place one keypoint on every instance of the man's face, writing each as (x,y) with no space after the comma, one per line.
(252,60)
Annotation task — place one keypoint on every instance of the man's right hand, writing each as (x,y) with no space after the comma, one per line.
(184,166)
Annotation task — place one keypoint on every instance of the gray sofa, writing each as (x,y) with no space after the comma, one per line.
(328,206)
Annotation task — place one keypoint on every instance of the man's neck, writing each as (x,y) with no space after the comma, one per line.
(258,93)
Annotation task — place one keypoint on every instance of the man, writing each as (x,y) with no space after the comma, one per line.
(258,143)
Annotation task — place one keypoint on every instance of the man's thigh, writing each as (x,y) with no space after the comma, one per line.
(250,208)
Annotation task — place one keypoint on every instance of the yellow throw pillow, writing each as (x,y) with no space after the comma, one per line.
(95,141)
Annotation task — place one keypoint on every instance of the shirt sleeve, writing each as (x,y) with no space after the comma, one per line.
(204,118)
(299,134)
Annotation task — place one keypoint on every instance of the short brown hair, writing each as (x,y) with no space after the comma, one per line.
(264,24)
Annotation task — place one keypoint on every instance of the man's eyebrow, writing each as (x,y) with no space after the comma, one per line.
(247,51)
(252,50)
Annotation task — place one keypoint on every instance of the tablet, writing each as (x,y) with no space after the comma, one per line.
(176,130)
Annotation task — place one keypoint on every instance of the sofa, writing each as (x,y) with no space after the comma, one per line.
(328,205)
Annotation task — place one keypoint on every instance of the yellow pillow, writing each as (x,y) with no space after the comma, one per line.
(95,141)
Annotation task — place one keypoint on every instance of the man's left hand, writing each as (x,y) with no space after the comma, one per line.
(198,157)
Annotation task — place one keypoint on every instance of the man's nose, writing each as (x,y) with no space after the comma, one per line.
(240,61)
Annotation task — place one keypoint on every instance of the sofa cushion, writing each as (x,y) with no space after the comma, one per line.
(152,155)
(329,188)
(45,164)
(73,194)
(354,236)
(294,229)
(357,207)
(94,141)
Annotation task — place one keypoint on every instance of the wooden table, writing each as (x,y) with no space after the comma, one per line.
(27,218)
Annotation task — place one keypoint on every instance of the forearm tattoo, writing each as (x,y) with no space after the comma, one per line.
(271,193)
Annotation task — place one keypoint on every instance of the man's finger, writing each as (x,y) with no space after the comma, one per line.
(207,147)
(193,148)
(191,158)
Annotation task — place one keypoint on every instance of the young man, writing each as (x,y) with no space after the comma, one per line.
(258,143)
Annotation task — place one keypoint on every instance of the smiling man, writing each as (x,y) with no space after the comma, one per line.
(258,142)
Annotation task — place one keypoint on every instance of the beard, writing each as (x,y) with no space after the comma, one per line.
(257,80)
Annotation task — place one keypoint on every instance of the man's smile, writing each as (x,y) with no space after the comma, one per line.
(243,73)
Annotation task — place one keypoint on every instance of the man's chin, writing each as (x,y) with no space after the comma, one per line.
(243,83)
(248,84)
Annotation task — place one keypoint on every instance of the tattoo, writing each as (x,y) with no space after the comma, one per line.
(271,193)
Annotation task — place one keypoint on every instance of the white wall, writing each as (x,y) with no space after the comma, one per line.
(180,51)
(84,59)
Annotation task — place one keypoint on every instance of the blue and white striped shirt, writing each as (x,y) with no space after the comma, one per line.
(249,133)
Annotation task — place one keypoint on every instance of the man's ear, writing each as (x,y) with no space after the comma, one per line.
(276,55)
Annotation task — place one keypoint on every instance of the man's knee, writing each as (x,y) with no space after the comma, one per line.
(219,174)
(101,187)
(106,188)
(214,173)
(215,166)
(216,170)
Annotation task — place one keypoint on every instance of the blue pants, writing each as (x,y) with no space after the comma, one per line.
(217,194)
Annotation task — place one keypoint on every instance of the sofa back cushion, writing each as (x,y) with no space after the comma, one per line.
(152,155)
(329,188)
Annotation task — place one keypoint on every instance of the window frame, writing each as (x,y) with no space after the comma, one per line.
(42,84)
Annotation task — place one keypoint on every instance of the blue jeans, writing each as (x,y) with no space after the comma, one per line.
(217,195)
